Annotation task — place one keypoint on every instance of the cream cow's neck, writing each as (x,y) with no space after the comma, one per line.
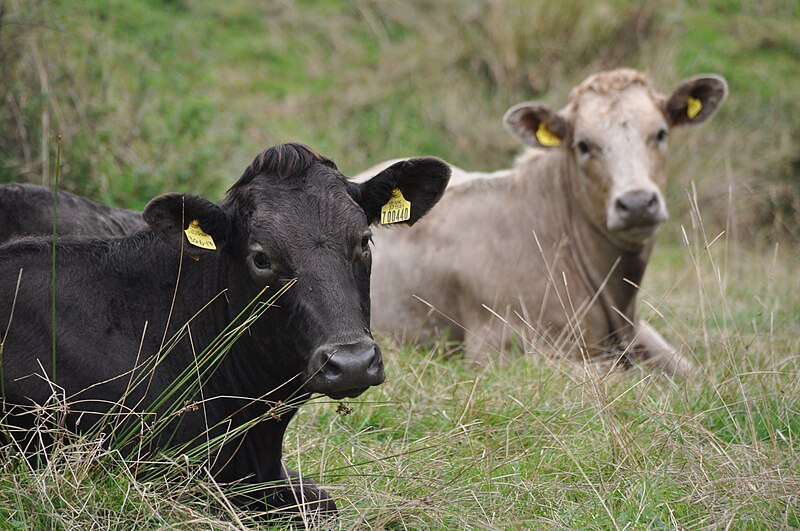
(592,256)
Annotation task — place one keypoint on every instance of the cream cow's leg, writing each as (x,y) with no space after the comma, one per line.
(653,351)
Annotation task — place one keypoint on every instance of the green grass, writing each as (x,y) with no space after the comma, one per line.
(532,442)
(527,442)
(159,95)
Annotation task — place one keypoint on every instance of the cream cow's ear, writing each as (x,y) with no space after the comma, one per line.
(695,100)
(538,125)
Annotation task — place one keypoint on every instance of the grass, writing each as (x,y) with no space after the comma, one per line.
(527,442)
(158,95)
(532,442)
(83,486)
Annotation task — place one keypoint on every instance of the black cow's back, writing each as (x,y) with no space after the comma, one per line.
(27,210)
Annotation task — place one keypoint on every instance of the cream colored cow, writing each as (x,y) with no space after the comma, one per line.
(554,248)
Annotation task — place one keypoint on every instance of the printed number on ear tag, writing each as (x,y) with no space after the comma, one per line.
(397,209)
(693,107)
(198,238)
(546,137)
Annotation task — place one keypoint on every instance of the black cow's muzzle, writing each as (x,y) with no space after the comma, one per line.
(345,371)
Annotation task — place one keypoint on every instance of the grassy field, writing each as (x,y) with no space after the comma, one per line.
(534,443)
(157,95)
(528,442)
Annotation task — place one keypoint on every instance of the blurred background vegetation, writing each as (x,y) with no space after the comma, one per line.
(158,95)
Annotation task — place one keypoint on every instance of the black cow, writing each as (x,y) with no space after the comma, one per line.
(291,218)
(27,210)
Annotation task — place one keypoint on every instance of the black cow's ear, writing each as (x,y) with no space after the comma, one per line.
(695,100)
(538,125)
(187,221)
(414,184)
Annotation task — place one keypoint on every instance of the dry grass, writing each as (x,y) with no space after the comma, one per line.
(528,441)
(535,442)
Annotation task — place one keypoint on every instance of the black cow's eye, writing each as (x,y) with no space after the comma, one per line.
(583,147)
(261,261)
(661,135)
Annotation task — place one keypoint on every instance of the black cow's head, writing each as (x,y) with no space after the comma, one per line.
(293,215)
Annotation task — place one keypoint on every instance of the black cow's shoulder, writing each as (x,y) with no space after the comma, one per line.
(83,248)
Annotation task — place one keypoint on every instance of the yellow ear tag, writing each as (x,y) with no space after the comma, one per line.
(693,107)
(198,238)
(546,137)
(397,209)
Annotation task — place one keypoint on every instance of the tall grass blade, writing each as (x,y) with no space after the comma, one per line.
(53,261)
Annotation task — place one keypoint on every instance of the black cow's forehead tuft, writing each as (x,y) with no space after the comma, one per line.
(283,161)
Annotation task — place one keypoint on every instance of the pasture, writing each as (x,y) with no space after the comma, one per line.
(159,95)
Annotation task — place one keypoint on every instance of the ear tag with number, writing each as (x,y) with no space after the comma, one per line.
(546,137)
(693,107)
(198,238)
(397,209)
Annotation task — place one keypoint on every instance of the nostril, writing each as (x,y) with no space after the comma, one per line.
(621,206)
(653,206)
(330,368)
(377,360)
